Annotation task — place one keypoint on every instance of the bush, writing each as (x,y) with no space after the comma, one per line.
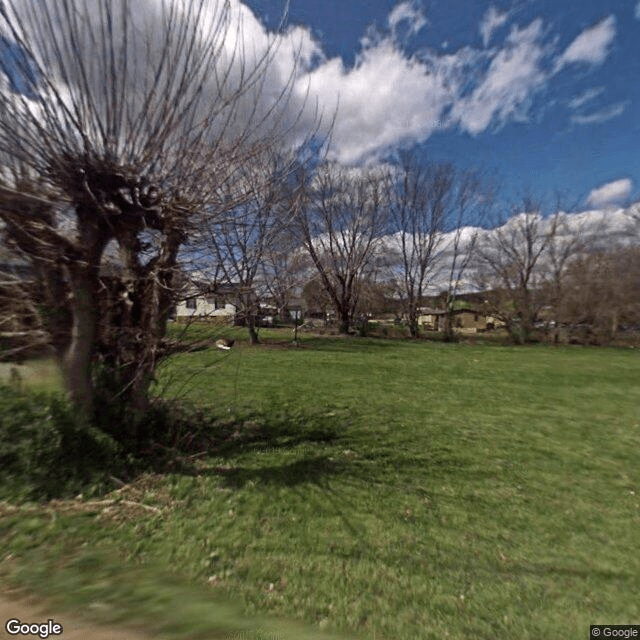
(44,452)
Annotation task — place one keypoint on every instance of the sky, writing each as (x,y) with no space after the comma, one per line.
(544,93)
(540,94)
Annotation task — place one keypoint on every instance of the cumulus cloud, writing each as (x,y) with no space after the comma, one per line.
(603,115)
(390,99)
(385,100)
(258,101)
(605,228)
(610,193)
(591,46)
(493,19)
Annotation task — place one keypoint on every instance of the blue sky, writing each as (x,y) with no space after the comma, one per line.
(543,92)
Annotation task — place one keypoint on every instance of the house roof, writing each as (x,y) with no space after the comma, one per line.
(427,311)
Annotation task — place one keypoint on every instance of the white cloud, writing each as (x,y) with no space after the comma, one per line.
(638,11)
(389,99)
(603,115)
(407,12)
(605,228)
(611,192)
(240,40)
(504,93)
(591,46)
(493,19)
(386,100)
(588,95)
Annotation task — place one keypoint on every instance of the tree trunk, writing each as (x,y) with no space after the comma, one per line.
(345,320)
(76,361)
(253,333)
(414,329)
(449,333)
(527,327)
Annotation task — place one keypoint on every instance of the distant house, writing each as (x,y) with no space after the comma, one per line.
(216,305)
(430,319)
(464,320)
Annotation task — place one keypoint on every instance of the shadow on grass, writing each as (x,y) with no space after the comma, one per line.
(202,443)
(292,446)
(309,469)
(273,446)
(273,430)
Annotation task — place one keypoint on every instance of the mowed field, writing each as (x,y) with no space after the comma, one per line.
(375,489)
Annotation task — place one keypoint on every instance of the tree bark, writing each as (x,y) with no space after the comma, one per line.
(253,332)
(345,319)
(83,271)
(76,361)
(414,330)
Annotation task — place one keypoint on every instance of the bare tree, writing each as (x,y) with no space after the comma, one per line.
(119,121)
(418,207)
(601,292)
(285,268)
(571,236)
(509,258)
(237,243)
(471,203)
(340,218)
(316,298)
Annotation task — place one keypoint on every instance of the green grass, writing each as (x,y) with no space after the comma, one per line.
(42,374)
(377,489)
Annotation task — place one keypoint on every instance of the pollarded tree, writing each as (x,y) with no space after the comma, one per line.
(119,120)
(340,217)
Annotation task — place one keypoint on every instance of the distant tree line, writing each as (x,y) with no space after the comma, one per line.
(352,243)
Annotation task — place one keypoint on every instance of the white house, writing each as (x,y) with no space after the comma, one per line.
(215,306)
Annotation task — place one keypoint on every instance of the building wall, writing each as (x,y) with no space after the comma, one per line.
(204,309)
(429,322)
(466,321)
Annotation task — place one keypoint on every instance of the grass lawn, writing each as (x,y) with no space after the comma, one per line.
(41,374)
(375,489)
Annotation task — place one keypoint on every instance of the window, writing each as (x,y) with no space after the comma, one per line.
(191,303)
(215,301)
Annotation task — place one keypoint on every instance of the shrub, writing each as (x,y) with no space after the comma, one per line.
(44,451)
